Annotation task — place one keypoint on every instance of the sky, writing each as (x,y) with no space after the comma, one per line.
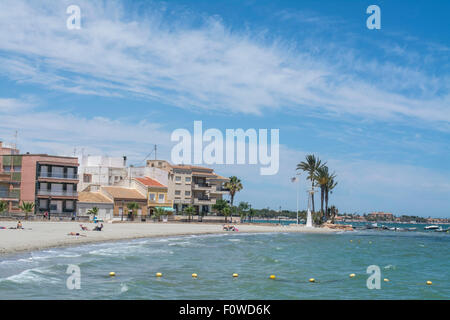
(374,104)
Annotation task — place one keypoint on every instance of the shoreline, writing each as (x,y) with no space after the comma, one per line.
(44,235)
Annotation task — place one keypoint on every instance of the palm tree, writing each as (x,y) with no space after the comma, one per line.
(26,207)
(243,209)
(93,211)
(251,213)
(189,211)
(219,207)
(322,179)
(329,189)
(234,185)
(310,166)
(158,213)
(133,206)
(3,206)
(226,212)
(333,212)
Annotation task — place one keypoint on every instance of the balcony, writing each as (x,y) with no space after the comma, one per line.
(201,186)
(204,201)
(57,193)
(51,175)
(220,190)
(8,195)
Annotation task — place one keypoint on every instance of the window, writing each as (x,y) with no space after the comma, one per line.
(178,192)
(44,171)
(44,186)
(161,198)
(17,168)
(187,193)
(57,187)
(7,169)
(69,188)
(57,172)
(87,178)
(70,172)
(177,179)
(69,205)
(188,179)
(43,203)
(152,196)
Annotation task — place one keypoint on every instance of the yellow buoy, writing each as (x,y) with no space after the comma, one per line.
(235,275)
(194,275)
(312,280)
(386,280)
(429,283)
(352,275)
(159,274)
(272,276)
(351,240)
(112,274)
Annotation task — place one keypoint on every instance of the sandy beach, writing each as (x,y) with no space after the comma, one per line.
(41,235)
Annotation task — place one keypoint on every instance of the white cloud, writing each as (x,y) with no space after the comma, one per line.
(208,67)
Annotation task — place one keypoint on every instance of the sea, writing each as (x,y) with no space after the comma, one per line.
(385,265)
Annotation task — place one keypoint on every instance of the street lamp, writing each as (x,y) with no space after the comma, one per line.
(297,180)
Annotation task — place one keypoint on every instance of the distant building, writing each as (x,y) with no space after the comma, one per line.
(191,185)
(100,170)
(381,216)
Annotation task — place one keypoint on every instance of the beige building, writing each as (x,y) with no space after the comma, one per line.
(191,185)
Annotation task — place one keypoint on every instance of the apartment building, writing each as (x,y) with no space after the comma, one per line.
(100,170)
(50,182)
(191,185)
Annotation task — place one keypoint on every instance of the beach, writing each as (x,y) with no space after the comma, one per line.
(42,235)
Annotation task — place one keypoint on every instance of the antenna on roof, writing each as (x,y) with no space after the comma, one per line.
(15,140)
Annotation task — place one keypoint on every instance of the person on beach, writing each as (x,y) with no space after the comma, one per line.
(97,228)
(19,225)
(45,215)
(76,234)
(84,228)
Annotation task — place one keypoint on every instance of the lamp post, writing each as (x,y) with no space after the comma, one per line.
(297,180)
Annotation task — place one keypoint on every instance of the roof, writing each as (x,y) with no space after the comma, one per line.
(124,193)
(217,177)
(189,167)
(149,182)
(93,197)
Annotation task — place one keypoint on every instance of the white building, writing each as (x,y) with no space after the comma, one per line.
(101,170)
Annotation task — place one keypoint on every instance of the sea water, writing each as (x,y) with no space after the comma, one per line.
(407,259)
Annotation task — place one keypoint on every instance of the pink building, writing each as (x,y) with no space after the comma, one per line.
(50,182)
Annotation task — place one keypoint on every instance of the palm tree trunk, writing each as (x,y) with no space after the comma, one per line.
(312,196)
(322,194)
(326,202)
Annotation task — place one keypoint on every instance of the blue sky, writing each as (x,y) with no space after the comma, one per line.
(374,104)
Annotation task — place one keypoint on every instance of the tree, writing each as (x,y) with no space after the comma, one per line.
(26,207)
(189,211)
(226,212)
(243,209)
(158,213)
(326,182)
(133,206)
(220,206)
(251,214)
(310,166)
(234,185)
(329,189)
(333,211)
(3,206)
(93,211)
